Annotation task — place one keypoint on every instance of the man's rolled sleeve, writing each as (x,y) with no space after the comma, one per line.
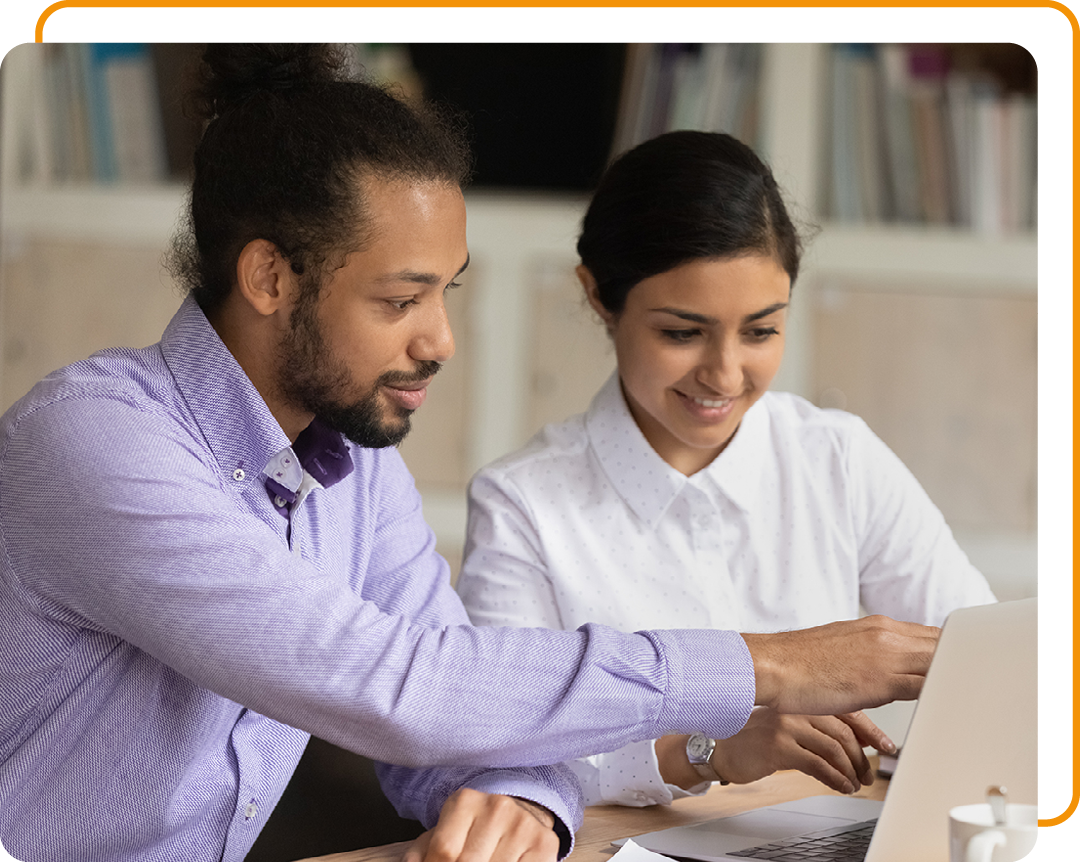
(711,686)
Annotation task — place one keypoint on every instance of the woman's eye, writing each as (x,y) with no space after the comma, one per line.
(763,333)
(679,336)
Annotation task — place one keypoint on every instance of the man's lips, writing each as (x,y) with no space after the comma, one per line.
(410,387)
(408,395)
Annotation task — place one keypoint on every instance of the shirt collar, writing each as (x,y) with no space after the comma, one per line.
(324,453)
(231,414)
(319,450)
(318,459)
(646,482)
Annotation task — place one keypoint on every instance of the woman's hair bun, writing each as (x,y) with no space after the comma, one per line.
(231,73)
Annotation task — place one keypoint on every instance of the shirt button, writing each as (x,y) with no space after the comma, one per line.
(280,501)
(238,475)
(250,810)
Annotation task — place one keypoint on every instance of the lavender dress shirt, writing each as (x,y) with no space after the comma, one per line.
(169,637)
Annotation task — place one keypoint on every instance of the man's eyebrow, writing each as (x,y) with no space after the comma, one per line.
(414,277)
(707,320)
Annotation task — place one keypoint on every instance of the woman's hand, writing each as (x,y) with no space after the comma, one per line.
(483,827)
(826,747)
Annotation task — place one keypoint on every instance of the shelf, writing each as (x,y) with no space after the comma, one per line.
(115,214)
(925,258)
(148,214)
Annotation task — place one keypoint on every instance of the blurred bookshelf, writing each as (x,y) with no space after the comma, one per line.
(933,134)
(912,167)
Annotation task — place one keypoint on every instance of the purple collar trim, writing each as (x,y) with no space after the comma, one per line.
(320,451)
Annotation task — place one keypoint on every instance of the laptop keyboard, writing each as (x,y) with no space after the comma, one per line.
(839,844)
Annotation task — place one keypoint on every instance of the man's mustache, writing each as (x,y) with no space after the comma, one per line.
(425,369)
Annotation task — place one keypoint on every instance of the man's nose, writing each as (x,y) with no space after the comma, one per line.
(434,340)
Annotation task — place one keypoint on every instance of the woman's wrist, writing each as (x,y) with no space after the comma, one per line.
(718,761)
(675,768)
(674,762)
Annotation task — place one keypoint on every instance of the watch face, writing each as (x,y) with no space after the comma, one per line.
(698,746)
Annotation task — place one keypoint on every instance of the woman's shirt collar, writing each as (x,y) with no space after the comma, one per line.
(646,482)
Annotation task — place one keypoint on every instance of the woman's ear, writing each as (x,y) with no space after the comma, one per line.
(592,294)
(263,277)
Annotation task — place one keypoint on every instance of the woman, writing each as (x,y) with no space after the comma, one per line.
(688,495)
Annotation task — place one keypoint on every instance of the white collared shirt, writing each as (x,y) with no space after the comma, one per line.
(805,516)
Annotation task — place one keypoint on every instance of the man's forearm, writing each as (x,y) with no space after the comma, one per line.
(841,667)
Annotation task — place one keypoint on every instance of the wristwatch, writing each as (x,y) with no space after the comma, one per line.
(699,750)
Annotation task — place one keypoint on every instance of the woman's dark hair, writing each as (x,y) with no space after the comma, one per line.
(289,135)
(679,197)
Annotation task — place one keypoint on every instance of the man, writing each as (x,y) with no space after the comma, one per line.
(209,548)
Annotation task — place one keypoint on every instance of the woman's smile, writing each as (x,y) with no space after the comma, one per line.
(706,409)
(696,347)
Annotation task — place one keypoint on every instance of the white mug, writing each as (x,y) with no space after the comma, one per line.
(975,837)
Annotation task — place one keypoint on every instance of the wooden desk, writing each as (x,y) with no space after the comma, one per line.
(605,823)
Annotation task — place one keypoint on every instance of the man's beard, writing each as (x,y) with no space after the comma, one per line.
(313,378)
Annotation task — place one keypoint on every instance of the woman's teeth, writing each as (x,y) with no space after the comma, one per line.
(709,402)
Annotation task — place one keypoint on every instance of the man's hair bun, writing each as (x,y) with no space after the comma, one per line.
(231,73)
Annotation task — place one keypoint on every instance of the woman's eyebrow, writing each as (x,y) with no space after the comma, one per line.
(707,320)
(693,317)
(765,312)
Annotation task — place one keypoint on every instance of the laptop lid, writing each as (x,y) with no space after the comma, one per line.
(974,726)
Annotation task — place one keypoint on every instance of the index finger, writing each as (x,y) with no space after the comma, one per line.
(868,733)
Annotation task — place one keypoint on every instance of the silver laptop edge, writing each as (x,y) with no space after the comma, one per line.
(974,726)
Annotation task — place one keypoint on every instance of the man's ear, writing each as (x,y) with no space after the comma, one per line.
(592,293)
(263,277)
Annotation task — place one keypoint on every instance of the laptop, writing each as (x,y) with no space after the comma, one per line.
(974,726)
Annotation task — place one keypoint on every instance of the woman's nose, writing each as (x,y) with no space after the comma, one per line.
(723,369)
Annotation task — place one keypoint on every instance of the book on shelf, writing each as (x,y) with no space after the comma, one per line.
(858,179)
(708,87)
(28,147)
(928,70)
(899,138)
(917,139)
(127,143)
(84,113)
